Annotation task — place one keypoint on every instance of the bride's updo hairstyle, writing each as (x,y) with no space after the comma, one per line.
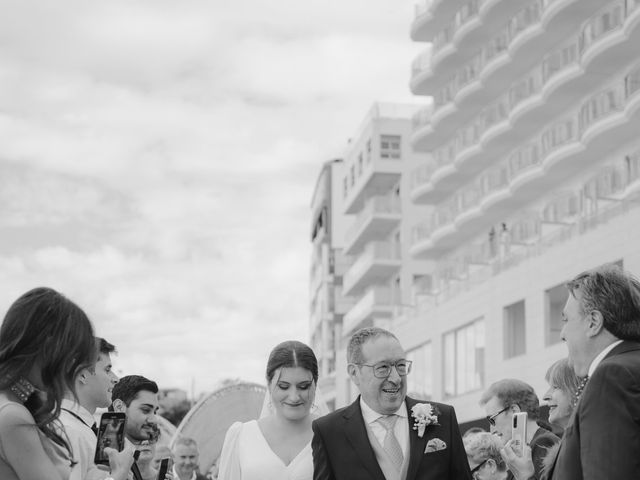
(292,354)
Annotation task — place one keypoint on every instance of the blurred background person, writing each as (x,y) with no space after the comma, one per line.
(483,454)
(45,341)
(186,460)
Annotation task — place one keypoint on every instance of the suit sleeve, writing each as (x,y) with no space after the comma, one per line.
(610,424)
(459,464)
(321,465)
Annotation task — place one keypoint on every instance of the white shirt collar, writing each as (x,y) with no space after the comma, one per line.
(176,477)
(596,361)
(370,415)
(78,410)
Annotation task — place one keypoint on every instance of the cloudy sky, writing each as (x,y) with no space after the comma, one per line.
(157,161)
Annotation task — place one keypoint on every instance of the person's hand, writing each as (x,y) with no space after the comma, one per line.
(120,462)
(169,475)
(520,466)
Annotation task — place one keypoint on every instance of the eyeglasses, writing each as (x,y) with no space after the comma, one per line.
(383,369)
(478,467)
(492,418)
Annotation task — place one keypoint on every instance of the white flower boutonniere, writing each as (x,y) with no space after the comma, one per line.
(423,415)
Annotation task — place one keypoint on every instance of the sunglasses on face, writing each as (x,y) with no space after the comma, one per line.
(477,468)
(492,418)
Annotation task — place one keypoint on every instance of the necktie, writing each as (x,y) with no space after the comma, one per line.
(578,394)
(391,444)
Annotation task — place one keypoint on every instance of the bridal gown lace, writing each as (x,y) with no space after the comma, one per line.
(246,455)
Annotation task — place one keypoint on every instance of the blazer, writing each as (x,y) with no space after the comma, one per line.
(602,441)
(341,448)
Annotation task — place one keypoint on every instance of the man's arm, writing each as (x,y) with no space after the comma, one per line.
(321,464)
(609,432)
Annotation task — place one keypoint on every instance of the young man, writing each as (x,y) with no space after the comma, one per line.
(93,388)
(374,437)
(186,460)
(137,396)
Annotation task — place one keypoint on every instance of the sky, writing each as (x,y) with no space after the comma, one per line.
(158,158)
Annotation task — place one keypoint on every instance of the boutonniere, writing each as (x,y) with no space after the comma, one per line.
(423,415)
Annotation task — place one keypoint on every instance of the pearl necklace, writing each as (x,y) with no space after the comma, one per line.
(578,394)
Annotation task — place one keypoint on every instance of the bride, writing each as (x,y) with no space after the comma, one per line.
(277,446)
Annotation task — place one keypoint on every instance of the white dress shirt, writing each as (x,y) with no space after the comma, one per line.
(77,422)
(596,361)
(401,428)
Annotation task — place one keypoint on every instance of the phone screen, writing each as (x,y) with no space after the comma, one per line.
(110,434)
(165,465)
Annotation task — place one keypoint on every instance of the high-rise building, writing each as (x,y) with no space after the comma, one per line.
(328,265)
(532,168)
(374,196)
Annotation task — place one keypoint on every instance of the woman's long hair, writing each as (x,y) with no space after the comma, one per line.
(45,330)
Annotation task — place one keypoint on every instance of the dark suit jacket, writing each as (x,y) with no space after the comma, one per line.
(341,448)
(602,441)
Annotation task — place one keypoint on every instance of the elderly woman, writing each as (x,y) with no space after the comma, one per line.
(483,453)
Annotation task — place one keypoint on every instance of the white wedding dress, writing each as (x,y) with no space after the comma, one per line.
(246,455)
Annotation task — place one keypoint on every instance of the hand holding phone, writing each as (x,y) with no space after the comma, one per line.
(165,465)
(519,432)
(110,434)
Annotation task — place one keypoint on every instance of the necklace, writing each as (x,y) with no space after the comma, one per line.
(23,389)
(583,383)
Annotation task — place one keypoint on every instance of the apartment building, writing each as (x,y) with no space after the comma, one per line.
(531,169)
(328,266)
(375,197)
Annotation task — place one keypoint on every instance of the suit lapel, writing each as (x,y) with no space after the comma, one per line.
(416,444)
(356,432)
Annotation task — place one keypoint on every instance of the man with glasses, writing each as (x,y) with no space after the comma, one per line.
(501,401)
(374,437)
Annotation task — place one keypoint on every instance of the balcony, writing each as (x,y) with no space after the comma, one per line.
(565,148)
(547,91)
(429,17)
(533,31)
(379,216)
(377,262)
(375,303)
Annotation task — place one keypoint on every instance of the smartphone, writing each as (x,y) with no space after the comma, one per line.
(110,434)
(519,432)
(165,465)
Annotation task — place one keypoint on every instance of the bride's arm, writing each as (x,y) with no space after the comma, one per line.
(229,463)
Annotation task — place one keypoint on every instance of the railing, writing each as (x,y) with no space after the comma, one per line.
(373,252)
(600,25)
(372,207)
(610,100)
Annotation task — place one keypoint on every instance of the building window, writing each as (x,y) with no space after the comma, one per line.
(514,330)
(368,150)
(390,146)
(555,298)
(345,187)
(360,164)
(420,380)
(464,359)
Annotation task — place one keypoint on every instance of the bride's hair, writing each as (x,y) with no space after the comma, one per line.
(292,354)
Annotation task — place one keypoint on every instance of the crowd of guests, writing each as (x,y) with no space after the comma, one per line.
(54,374)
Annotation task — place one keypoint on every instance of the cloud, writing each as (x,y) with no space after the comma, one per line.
(158,159)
